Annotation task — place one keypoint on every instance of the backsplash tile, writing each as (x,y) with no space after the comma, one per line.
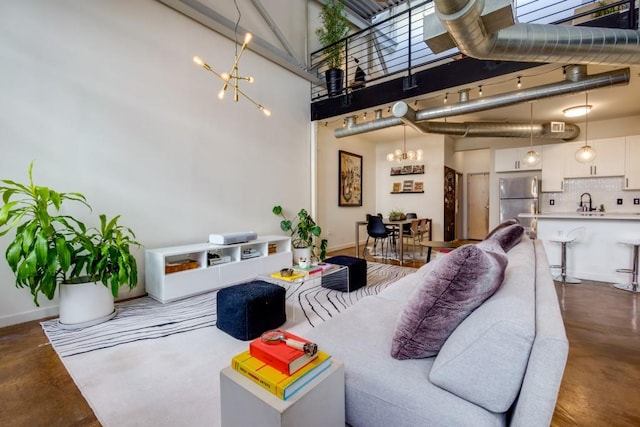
(604,191)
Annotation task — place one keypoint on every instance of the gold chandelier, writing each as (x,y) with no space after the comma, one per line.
(403,155)
(233,78)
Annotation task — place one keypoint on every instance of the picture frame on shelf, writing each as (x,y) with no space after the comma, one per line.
(396,170)
(349,179)
(406,170)
(418,186)
(407,185)
(417,169)
(397,187)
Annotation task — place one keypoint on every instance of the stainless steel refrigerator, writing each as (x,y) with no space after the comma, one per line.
(519,195)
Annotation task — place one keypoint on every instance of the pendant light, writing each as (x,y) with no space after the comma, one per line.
(532,157)
(586,153)
(234,78)
(401,155)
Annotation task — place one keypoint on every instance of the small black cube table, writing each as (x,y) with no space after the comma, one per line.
(247,310)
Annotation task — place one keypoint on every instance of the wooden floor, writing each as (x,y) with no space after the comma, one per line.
(600,387)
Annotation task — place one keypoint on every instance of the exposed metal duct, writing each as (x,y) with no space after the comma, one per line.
(500,130)
(576,81)
(485,29)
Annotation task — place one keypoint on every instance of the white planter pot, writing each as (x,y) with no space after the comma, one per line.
(304,253)
(84,304)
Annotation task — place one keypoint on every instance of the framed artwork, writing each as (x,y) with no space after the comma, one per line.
(418,186)
(407,185)
(349,179)
(397,187)
(417,169)
(396,170)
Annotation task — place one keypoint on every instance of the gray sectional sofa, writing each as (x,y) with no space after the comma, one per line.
(501,366)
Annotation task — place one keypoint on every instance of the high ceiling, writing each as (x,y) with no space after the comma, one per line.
(368,8)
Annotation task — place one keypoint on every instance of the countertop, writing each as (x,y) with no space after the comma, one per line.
(633,216)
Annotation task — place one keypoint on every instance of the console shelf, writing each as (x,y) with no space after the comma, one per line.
(178,272)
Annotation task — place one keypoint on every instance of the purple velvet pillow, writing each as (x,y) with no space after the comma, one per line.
(502,225)
(456,286)
(508,236)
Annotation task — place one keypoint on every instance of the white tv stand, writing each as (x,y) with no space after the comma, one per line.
(166,287)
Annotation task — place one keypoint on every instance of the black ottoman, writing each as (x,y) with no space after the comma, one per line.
(355,278)
(247,310)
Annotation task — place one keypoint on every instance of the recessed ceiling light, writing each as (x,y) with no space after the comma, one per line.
(578,110)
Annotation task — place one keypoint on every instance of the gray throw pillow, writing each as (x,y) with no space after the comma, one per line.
(455,287)
(508,236)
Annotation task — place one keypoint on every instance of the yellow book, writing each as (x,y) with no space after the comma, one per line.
(282,385)
(291,278)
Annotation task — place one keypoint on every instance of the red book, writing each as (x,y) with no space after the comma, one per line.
(279,355)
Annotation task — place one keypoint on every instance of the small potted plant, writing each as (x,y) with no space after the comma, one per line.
(335,28)
(397,215)
(305,234)
(52,251)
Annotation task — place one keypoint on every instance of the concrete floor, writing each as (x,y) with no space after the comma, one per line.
(600,387)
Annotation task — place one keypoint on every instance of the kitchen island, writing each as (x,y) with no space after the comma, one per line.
(598,254)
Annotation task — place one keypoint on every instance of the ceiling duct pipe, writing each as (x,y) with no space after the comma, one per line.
(484,129)
(486,29)
(500,130)
(576,80)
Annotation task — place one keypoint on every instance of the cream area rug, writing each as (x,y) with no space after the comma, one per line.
(158,364)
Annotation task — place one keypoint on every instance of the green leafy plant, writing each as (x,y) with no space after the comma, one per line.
(50,248)
(304,231)
(397,215)
(335,28)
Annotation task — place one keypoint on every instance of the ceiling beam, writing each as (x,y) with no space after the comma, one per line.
(224,26)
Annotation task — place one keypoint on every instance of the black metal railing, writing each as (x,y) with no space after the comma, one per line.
(395,47)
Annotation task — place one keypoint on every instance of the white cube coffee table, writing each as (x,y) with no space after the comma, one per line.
(318,404)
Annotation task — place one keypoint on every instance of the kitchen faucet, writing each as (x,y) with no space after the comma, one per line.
(583,204)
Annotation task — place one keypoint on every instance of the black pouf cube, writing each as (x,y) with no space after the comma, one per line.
(247,310)
(355,278)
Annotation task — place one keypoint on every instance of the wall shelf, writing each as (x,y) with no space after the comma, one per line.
(406,192)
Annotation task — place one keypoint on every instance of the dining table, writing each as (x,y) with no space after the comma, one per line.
(390,223)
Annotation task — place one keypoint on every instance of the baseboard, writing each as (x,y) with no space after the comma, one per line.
(28,316)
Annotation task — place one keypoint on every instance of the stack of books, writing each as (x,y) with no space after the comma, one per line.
(309,271)
(279,368)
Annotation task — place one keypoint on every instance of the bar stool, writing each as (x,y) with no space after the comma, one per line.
(633,286)
(564,239)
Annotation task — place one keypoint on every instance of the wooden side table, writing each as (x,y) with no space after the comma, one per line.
(318,404)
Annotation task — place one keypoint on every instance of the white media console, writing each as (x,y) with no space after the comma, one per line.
(212,266)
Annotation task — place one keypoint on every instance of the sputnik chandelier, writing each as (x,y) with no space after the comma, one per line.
(403,155)
(233,78)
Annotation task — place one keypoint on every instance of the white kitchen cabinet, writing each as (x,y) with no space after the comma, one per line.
(510,159)
(214,266)
(631,167)
(553,168)
(609,161)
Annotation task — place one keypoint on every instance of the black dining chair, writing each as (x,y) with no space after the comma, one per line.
(377,230)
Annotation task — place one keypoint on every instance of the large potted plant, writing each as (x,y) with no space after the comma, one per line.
(335,28)
(305,234)
(53,251)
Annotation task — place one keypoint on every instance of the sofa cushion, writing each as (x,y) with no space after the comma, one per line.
(508,236)
(452,289)
(485,358)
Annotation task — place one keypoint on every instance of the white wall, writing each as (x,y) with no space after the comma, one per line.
(338,223)
(431,203)
(103,96)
